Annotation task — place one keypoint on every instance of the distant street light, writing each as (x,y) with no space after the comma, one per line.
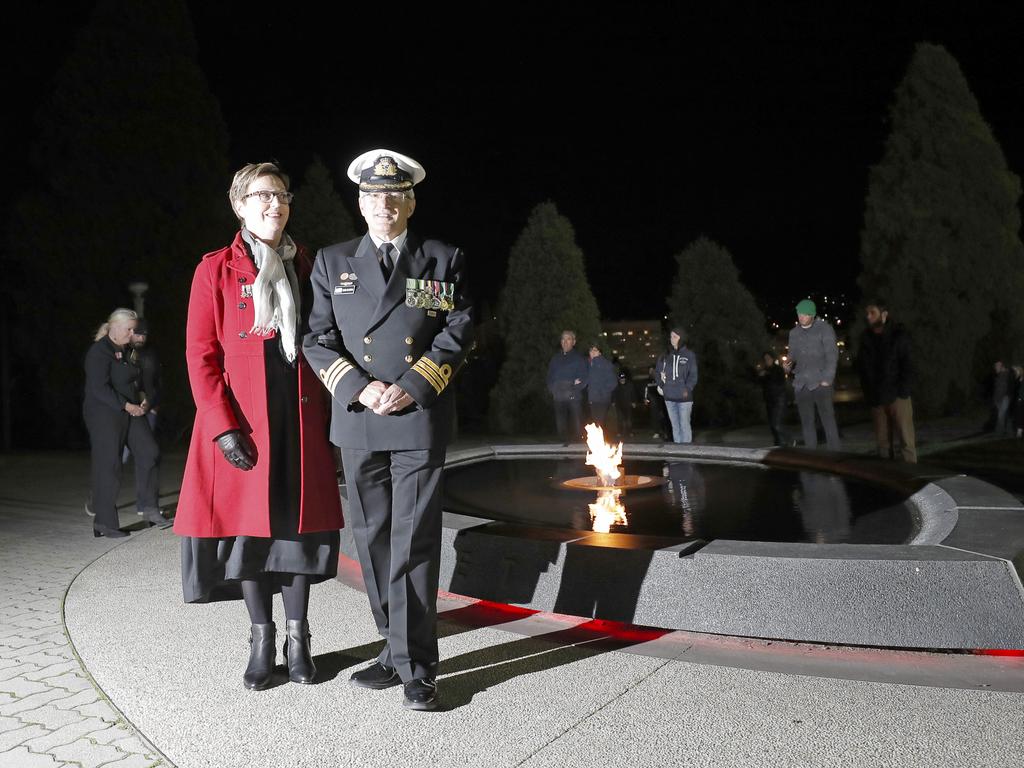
(138,290)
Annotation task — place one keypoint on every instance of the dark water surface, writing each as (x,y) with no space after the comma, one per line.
(699,500)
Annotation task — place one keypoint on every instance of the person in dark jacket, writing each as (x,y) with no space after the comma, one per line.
(1002,397)
(146,358)
(391,325)
(773,386)
(114,410)
(812,360)
(601,384)
(883,363)
(625,401)
(677,377)
(655,404)
(567,378)
(1017,404)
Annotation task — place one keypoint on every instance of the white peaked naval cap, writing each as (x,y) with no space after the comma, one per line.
(385,170)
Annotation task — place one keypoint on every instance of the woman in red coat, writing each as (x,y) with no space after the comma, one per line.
(259,508)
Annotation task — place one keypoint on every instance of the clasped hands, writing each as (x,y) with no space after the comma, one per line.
(384,399)
(137,410)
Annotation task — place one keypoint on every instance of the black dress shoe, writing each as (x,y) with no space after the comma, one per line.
(297,651)
(421,694)
(111,533)
(377,676)
(262,654)
(153,516)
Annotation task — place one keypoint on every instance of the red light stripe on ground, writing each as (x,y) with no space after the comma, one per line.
(999,651)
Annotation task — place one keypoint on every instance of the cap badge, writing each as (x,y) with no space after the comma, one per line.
(385,166)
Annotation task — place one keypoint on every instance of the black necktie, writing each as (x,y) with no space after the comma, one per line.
(386,265)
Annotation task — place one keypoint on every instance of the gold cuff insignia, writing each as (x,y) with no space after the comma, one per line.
(438,376)
(331,376)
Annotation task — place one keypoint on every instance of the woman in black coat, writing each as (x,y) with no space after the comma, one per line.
(114,412)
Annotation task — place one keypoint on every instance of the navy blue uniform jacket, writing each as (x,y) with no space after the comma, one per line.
(414,331)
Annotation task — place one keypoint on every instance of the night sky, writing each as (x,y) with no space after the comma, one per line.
(647,127)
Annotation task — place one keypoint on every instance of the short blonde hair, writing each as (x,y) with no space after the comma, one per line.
(247,175)
(119,315)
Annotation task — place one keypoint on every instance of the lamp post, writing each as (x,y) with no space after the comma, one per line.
(138,290)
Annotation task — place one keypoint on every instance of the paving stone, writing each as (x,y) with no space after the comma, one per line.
(15,738)
(20,757)
(17,670)
(50,654)
(53,670)
(34,620)
(87,754)
(10,724)
(31,702)
(13,643)
(137,761)
(71,681)
(52,634)
(78,700)
(67,734)
(22,687)
(99,708)
(51,717)
(115,735)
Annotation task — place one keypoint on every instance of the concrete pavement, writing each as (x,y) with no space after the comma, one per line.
(121,673)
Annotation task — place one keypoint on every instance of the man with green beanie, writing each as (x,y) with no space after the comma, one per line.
(813,357)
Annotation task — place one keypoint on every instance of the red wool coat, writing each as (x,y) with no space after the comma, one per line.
(228,378)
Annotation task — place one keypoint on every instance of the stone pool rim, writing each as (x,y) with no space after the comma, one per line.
(956,585)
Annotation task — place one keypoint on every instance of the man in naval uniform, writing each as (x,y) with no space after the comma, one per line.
(390,325)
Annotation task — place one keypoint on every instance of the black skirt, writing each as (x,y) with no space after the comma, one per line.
(212,568)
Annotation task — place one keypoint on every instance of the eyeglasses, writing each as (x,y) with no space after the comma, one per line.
(267,195)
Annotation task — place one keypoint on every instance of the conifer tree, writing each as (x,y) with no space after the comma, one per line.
(726,330)
(545,292)
(318,216)
(130,185)
(940,240)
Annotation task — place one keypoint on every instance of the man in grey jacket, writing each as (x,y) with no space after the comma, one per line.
(813,356)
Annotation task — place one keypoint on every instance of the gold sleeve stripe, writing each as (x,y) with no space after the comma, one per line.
(332,375)
(443,372)
(324,375)
(429,375)
(332,383)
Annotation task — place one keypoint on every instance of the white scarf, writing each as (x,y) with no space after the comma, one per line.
(275,290)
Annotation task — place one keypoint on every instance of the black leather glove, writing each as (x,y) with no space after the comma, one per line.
(236,449)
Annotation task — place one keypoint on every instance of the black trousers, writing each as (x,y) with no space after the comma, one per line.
(657,417)
(394,511)
(568,422)
(776,407)
(599,413)
(109,432)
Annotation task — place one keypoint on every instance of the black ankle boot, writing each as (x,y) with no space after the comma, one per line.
(262,655)
(297,651)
